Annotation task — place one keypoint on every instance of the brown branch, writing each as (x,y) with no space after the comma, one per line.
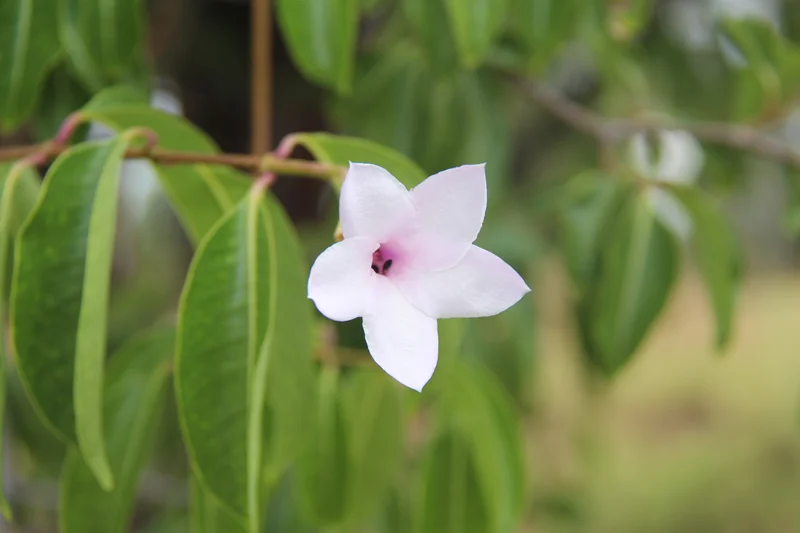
(608,131)
(250,163)
(260,76)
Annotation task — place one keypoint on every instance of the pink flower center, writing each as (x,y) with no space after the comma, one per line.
(381,263)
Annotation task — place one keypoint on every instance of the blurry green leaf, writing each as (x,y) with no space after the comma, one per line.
(200,194)
(637,268)
(451,337)
(341,150)
(102,38)
(323,470)
(627,18)
(321,38)
(770,76)
(475,24)
(206,515)
(452,499)
(374,417)
(243,354)
(474,405)
(430,22)
(134,394)
(20,188)
(544,27)
(61,284)
(591,199)
(28,48)
(62,95)
(283,515)
(716,253)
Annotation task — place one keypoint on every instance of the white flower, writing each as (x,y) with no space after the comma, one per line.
(407,259)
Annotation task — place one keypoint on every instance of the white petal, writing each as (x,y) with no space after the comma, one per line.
(374,204)
(342,280)
(481,284)
(681,157)
(402,340)
(450,209)
(671,213)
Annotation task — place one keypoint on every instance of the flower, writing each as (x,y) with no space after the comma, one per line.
(407,259)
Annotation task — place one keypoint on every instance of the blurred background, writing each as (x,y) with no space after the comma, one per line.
(684,438)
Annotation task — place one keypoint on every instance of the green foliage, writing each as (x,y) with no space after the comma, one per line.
(67,243)
(200,194)
(475,23)
(630,283)
(134,394)
(321,37)
(717,255)
(543,27)
(102,39)
(207,515)
(28,48)
(242,368)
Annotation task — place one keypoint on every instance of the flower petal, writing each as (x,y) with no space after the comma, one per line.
(341,280)
(481,284)
(373,204)
(402,340)
(450,209)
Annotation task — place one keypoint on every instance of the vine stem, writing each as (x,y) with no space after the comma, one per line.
(252,163)
(609,131)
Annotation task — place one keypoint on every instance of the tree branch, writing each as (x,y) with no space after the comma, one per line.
(612,130)
(260,76)
(251,163)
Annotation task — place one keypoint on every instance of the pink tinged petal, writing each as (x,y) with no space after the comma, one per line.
(450,209)
(342,280)
(374,204)
(402,340)
(481,284)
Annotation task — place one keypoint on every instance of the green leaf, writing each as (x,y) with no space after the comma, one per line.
(637,269)
(341,150)
(323,469)
(134,395)
(475,407)
(62,96)
(591,200)
(200,194)
(716,253)
(207,515)
(61,284)
(321,38)
(475,24)
(429,20)
(244,332)
(20,188)
(102,38)
(374,417)
(28,49)
(544,27)
(451,498)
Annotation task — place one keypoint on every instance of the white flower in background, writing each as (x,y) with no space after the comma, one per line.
(680,159)
(407,259)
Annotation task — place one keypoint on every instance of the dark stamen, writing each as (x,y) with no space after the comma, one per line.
(386,265)
(375,268)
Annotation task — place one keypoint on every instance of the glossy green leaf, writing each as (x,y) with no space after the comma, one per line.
(374,417)
(341,150)
(200,194)
(28,48)
(636,271)
(321,38)
(206,515)
(716,253)
(61,283)
(451,499)
(20,189)
(474,405)
(323,470)
(102,38)
(475,24)
(134,394)
(243,377)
